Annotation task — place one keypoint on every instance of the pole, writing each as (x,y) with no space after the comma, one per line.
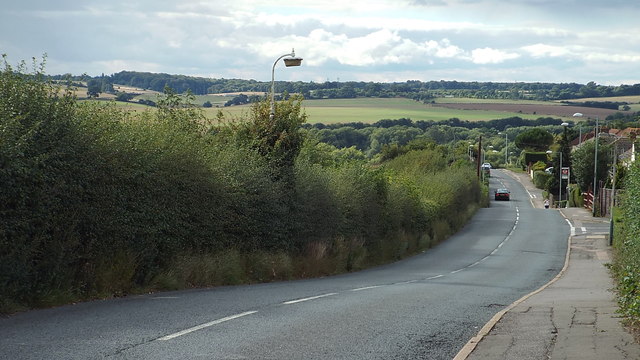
(560,181)
(595,171)
(479,155)
(506,149)
(613,195)
(272,112)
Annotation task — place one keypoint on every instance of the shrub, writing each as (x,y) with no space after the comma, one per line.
(541,179)
(627,249)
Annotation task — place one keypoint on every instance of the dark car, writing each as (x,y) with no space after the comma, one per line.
(502,194)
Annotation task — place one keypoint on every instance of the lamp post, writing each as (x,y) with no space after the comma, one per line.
(564,124)
(290,61)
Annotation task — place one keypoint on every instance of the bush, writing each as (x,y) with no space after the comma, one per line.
(98,203)
(541,179)
(626,266)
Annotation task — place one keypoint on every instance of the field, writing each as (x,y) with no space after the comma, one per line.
(538,110)
(633,101)
(369,110)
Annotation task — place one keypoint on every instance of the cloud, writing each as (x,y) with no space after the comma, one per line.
(491,56)
(356,39)
(543,50)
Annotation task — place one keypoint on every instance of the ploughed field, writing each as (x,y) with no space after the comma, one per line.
(550,109)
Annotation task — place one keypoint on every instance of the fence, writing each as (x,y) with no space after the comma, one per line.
(603,201)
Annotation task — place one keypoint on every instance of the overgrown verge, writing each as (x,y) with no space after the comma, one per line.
(626,266)
(99,203)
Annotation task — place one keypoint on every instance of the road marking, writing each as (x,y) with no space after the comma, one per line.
(366,288)
(434,277)
(456,271)
(307,299)
(532,196)
(573,229)
(405,282)
(205,325)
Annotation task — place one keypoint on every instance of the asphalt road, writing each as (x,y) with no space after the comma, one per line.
(425,307)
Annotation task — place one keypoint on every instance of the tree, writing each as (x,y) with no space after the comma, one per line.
(94,88)
(535,139)
(278,139)
(565,150)
(583,163)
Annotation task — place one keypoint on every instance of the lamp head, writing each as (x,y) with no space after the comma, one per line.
(294,61)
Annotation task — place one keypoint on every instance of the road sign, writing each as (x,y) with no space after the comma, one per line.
(564,173)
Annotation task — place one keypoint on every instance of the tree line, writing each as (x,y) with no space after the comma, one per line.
(423,91)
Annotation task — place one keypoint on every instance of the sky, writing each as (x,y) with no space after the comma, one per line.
(557,41)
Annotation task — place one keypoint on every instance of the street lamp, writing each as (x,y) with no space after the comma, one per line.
(292,60)
(565,124)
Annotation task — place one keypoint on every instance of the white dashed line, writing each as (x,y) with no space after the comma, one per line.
(405,282)
(307,299)
(366,288)
(205,325)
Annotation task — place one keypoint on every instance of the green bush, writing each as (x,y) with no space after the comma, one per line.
(575,196)
(541,179)
(97,202)
(626,265)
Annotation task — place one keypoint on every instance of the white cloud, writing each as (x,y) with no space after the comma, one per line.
(543,50)
(491,56)
(356,39)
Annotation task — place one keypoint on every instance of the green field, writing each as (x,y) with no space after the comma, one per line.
(370,110)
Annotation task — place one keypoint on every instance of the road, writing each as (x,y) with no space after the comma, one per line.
(424,307)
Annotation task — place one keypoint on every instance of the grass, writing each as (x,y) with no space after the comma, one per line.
(216,100)
(370,110)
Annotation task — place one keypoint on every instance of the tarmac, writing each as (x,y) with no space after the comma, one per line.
(574,316)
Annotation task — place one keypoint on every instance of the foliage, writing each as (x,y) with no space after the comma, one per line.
(277,138)
(583,164)
(575,197)
(535,139)
(541,179)
(417,90)
(99,203)
(626,267)
(529,157)
(561,158)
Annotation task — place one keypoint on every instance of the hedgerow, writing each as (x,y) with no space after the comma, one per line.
(99,202)
(626,266)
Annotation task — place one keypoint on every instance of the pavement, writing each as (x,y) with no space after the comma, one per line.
(574,315)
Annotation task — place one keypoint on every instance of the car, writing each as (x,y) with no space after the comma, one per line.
(486,166)
(502,194)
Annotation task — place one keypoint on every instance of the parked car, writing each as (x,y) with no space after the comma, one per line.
(502,194)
